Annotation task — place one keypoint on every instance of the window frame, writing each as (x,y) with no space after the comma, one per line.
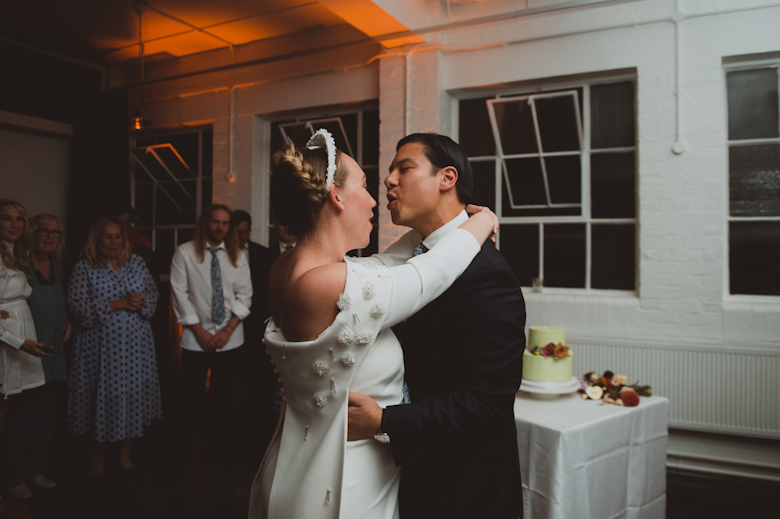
(728,68)
(138,171)
(541,88)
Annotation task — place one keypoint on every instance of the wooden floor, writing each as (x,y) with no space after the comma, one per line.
(172,481)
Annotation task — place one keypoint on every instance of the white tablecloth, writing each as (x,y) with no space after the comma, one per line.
(581,459)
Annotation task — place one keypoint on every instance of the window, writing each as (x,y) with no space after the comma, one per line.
(559,169)
(170,179)
(754,181)
(356,133)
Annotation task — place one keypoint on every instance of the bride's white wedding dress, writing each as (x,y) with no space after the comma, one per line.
(310,470)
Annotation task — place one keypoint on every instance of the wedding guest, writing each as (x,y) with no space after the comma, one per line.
(212,293)
(259,381)
(114,389)
(49,307)
(21,372)
(139,244)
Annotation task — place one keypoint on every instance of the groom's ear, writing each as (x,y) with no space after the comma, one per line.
(448,177)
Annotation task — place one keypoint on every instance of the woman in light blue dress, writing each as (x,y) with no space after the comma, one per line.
(114,389)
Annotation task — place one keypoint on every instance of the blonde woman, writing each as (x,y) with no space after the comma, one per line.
(114,388)
(20,365)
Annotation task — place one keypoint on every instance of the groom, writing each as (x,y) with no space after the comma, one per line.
(456,441)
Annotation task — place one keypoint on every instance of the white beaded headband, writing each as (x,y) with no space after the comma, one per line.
(330,144)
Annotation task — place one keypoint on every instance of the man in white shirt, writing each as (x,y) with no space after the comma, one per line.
(212,294)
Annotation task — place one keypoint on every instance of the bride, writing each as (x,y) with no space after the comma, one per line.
(330,334)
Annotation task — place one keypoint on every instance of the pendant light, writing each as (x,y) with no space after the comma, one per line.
(138,122)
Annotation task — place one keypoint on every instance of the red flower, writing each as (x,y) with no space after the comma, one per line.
(548,350)
(629,397)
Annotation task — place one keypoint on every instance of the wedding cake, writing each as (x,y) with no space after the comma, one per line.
(546,357)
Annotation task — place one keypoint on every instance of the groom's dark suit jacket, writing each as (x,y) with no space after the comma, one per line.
(457,441)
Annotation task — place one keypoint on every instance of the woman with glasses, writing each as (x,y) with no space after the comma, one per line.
(49,307)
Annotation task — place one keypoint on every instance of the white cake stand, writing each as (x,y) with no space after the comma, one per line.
(550,388)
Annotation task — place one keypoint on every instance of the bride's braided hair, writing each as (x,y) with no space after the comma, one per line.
(298,184)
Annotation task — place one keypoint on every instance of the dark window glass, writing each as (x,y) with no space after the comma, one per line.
(520,246)
(754,256)
(613,185)
(564,179)
(613,257)
(143,202)
(277,140)
(484,192)
(527,184)
(187,147)
(474,130)
(349,122)
(206,160)
(516,127)
(564,255)
(164,247)
(205,193)
(175,203)
(298,133)
(557,123)
(612,115)
(186,235)
(754,180)
(371,137)
(752,99)
(526,181)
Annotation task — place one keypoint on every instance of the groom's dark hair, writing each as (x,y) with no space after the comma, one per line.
(442,152)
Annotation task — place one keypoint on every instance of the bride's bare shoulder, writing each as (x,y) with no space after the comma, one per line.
(310,303)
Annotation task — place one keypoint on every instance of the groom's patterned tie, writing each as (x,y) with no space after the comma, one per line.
(420,249)
(217,297)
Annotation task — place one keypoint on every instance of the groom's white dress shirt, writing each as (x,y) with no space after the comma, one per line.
(191,288)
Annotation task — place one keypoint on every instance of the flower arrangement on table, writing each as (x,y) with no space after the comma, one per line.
(556,351)
(613,389)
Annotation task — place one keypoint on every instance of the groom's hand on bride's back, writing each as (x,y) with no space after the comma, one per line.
(365,417)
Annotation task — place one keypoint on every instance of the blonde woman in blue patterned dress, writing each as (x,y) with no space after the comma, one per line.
(330,334)
(114,389)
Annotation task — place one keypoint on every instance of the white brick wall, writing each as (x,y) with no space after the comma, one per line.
(683,199)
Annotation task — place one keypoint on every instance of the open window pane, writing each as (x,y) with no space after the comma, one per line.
(371,137)
(475,135)
(613,256)
(484,191)
(525,182)
(754,180)
(564,255)
(613,185)
(563,176)
(515,126)
(752,100)
(754,256)
(298,133)
(612,115)
(520,246)
(175,203)
(557,123)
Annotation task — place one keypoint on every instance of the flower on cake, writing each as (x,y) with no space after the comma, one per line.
(556,351)
(612,388)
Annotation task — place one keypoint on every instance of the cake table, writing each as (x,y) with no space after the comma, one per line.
(582,459)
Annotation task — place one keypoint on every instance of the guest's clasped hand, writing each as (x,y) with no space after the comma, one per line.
(209,341)
(36,349)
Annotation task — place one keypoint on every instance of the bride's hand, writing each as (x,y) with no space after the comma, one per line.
(472,209)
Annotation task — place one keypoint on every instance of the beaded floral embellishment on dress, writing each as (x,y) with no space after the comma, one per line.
(320,399)
(320,367)
(377,310)
(368,291)
(348,359)
(346,337)
(364,338)
(343,302)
